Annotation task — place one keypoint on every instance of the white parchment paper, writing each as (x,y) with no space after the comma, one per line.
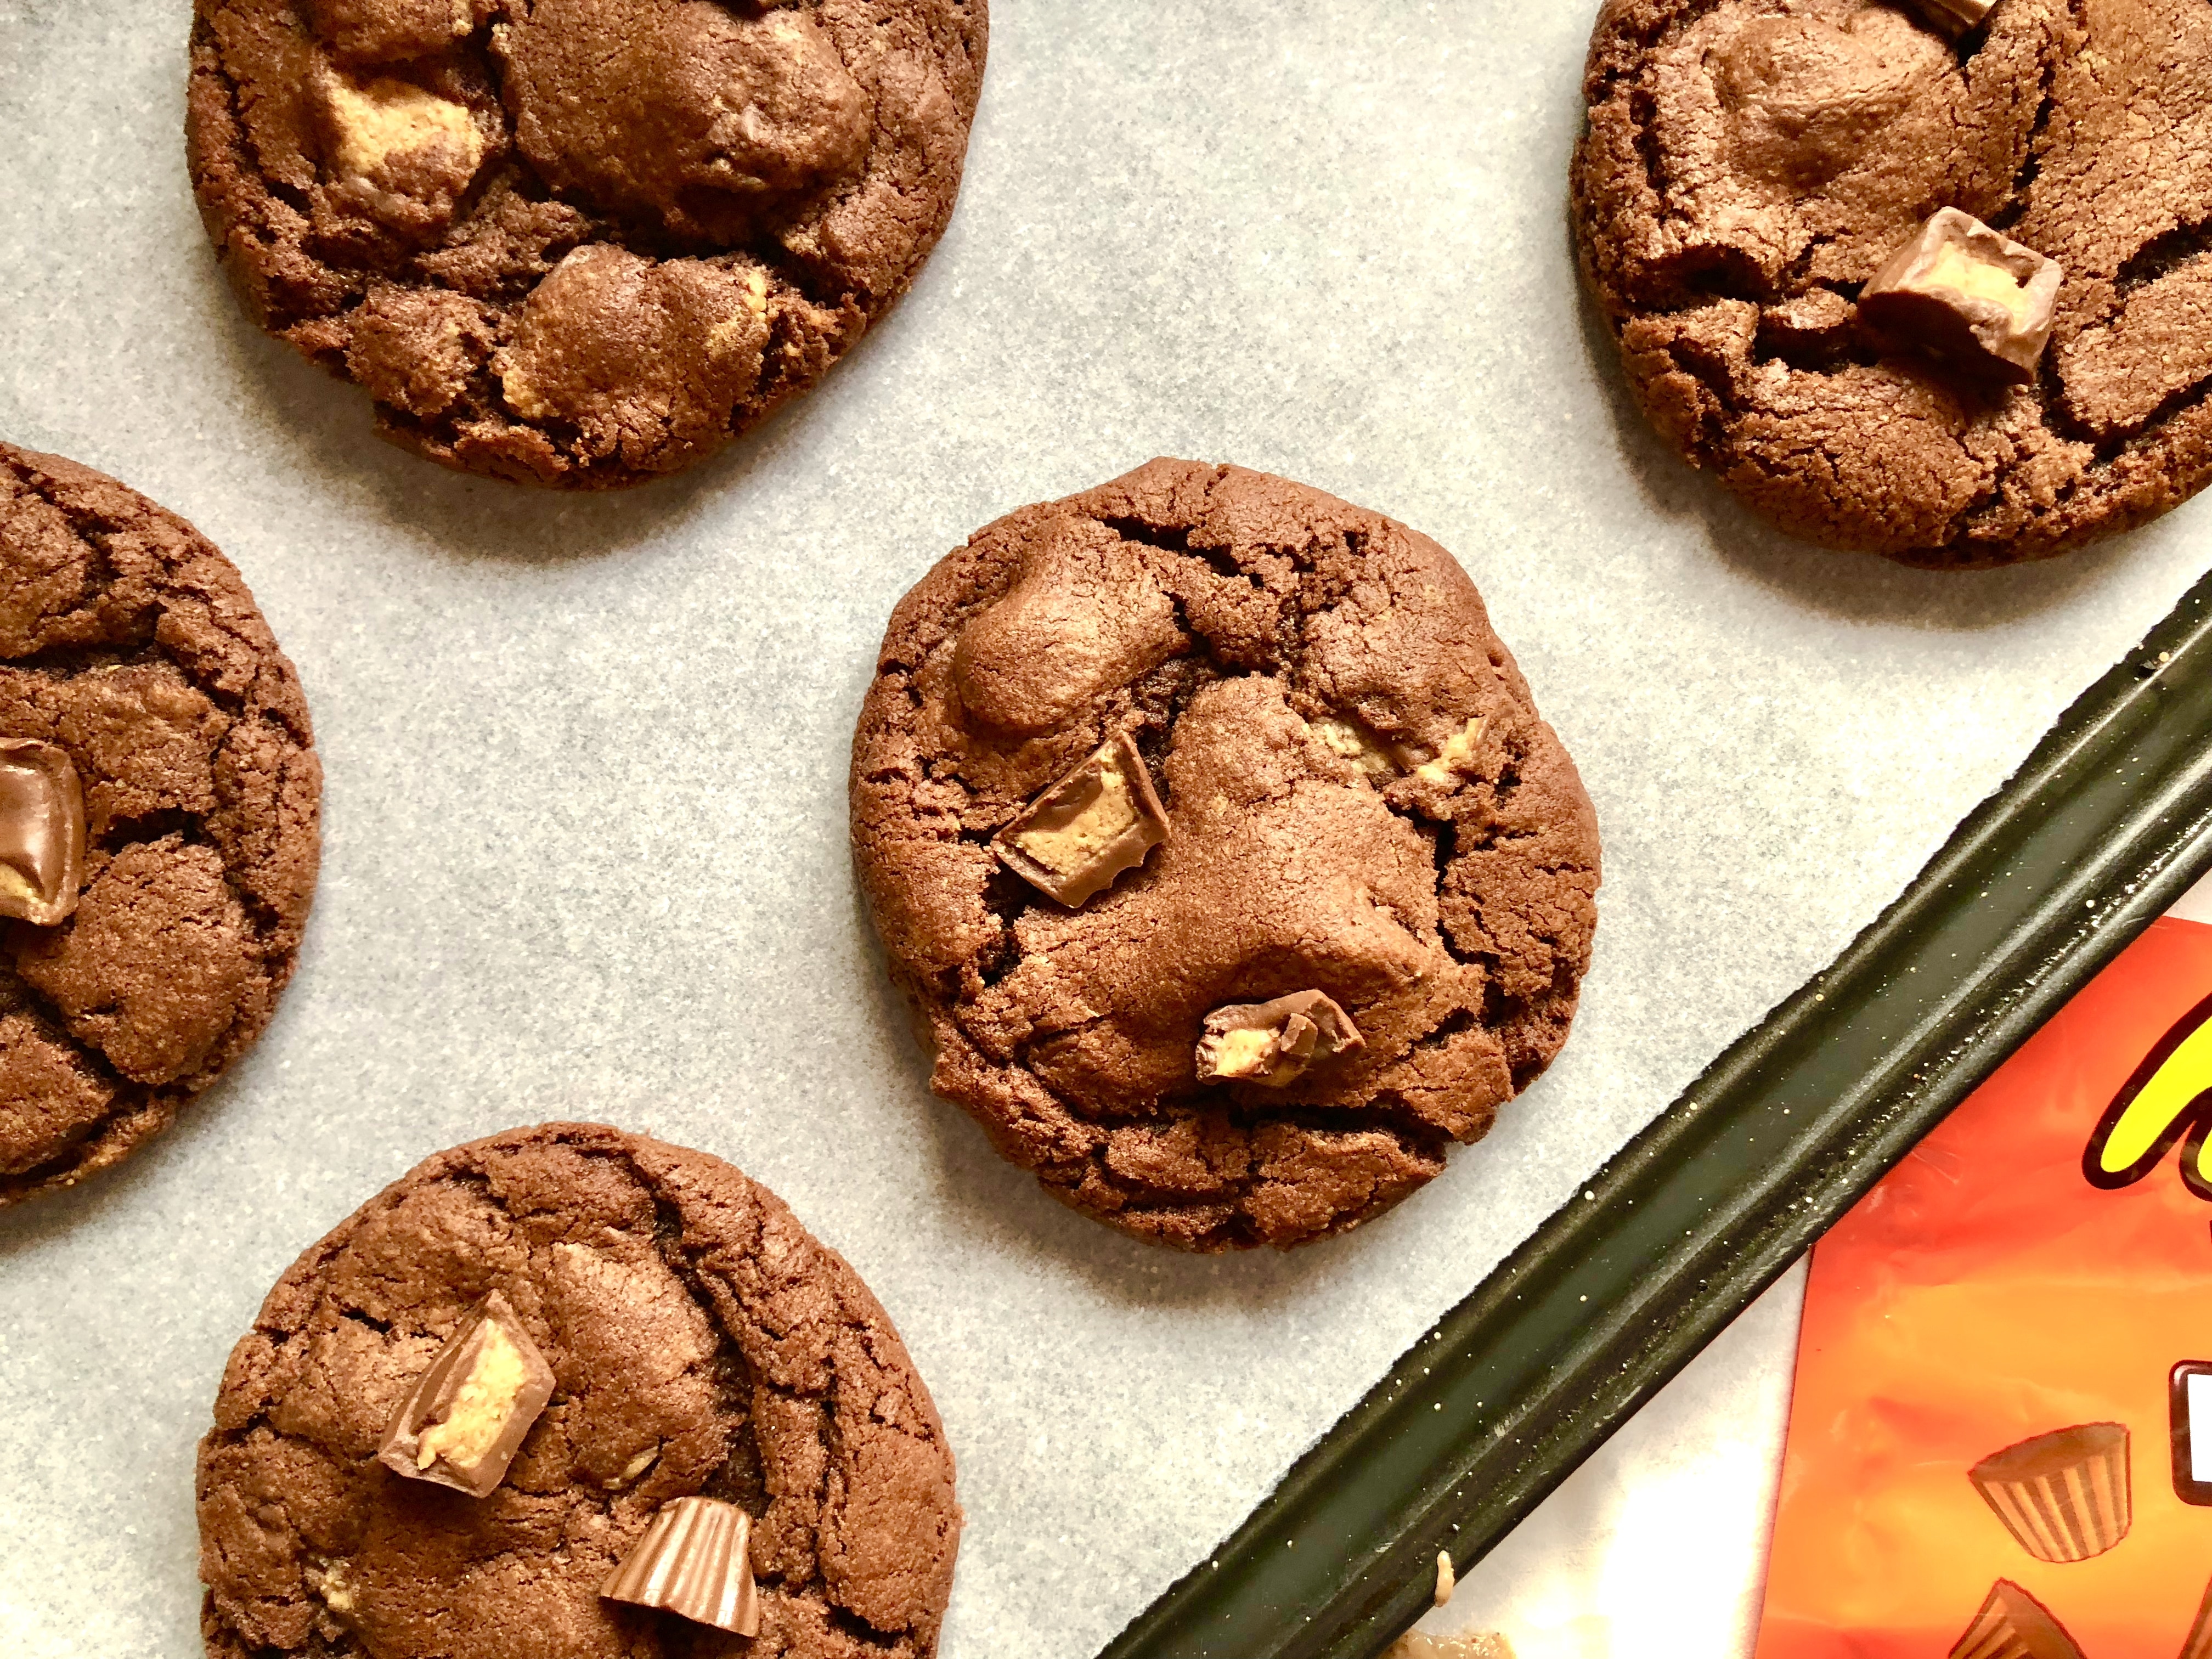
(585,820)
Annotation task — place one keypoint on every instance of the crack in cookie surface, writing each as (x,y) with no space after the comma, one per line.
(702,1345)
(1745,158)
(131,643)
(578,242)
(1362,800)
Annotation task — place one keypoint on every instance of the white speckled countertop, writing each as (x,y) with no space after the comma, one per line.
(585,816)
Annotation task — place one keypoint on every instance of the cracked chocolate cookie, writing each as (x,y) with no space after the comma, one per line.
(528,1398)
(159,810)
(1752,167)
(1219,848)
(578,242)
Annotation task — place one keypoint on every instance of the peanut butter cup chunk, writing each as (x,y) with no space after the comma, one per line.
(1965,296)
(579,243)
(663,1408)
(1923,279)
(41,831)
(159,808)
(1095,824)
(1274,1042)
(1356,930)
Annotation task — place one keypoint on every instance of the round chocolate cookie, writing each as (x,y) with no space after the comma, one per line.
(506,1392)
(1221,849)
(159,813)
(578,242)
(1755,180)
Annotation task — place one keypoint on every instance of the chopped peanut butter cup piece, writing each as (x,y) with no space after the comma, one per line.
(461,1425)
(1963,293)
(1274,1043)
(694,1562)
(41,832)
(1073,840)
(1954,17)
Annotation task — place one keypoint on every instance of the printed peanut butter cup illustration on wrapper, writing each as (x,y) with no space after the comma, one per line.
(1924,278)
(2067,1495)
(575,1383)
(159,820)
(1217,843)
(2014,1624)
(578,242)
(2199,1643)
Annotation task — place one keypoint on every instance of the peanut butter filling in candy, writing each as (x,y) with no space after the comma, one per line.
(1962,293)
(1274,1043)
(694,1562)
(41,832)
(1084,831)
(462,1423)
(1457,751)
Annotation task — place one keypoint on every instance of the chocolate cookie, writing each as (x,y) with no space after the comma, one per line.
(1220,847)
(159,812)
(1752,167)
(578,242)
(645,1361)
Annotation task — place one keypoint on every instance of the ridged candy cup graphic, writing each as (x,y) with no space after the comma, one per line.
(2014,1624)
(2066,1496)
(2199,1644)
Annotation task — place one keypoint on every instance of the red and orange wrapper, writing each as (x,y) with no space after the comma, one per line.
(2001,1435)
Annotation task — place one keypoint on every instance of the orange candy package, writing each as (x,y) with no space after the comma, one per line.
(2000,1440)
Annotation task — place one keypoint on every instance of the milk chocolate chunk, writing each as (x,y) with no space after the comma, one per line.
(693,1561)
(1073,840)
(1966,294)
(41,832)
(1954,17)
(1274,1043)
(461,1425)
